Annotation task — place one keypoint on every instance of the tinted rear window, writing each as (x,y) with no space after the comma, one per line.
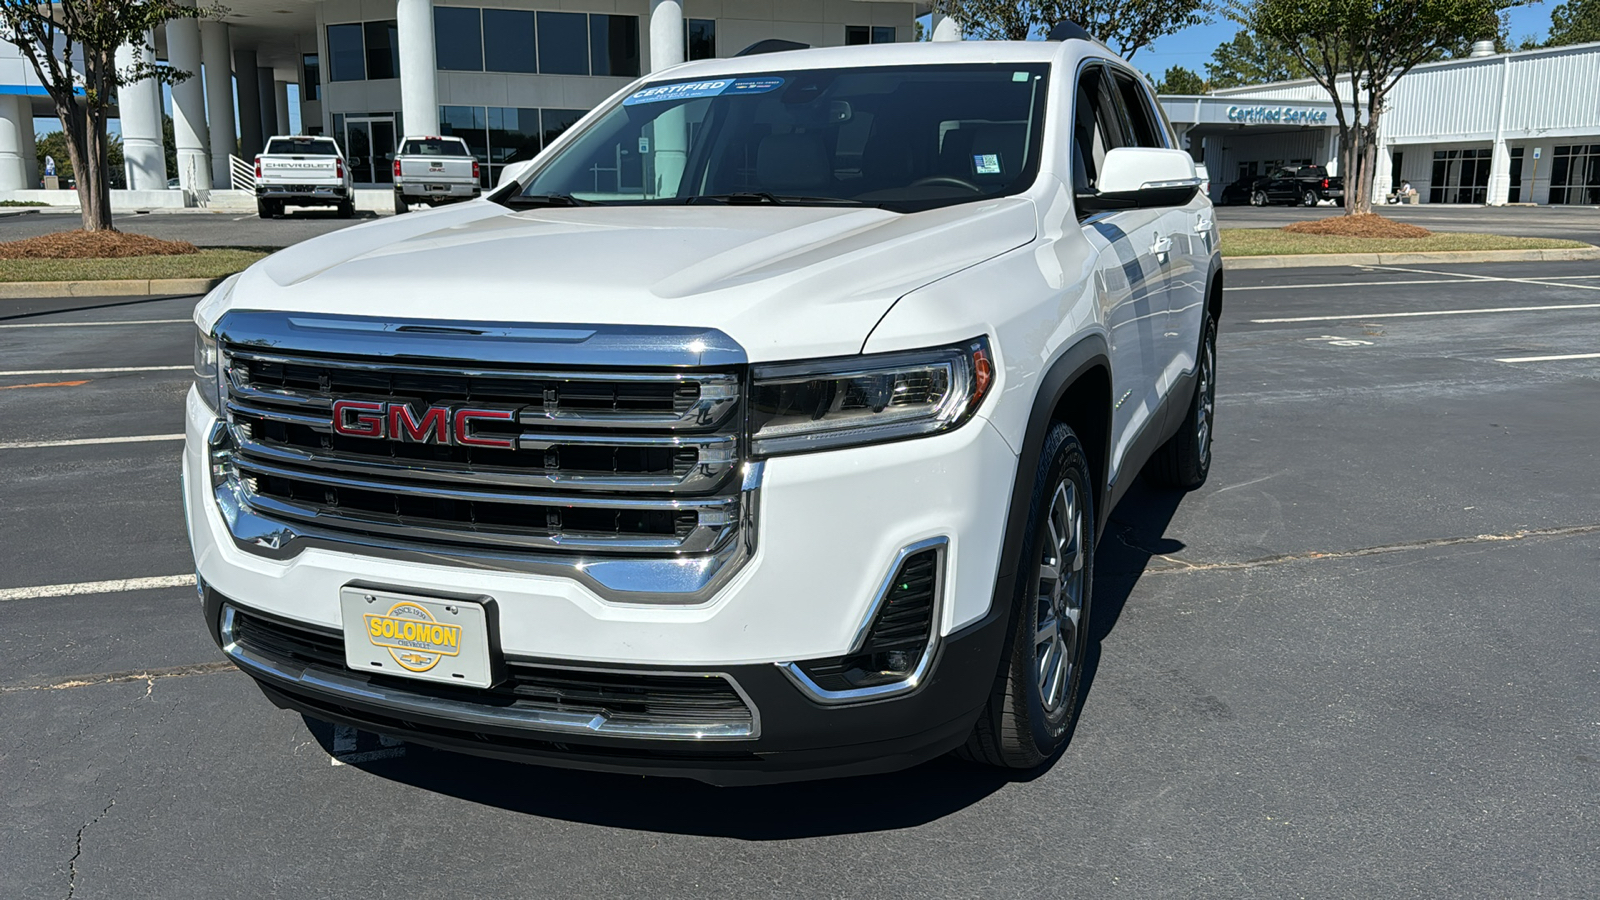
(435,147)
(302,147)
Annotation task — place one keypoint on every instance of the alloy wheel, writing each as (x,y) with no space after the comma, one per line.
(1058,642)
(1207,395)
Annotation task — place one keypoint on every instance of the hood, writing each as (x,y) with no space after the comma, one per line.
(786,282)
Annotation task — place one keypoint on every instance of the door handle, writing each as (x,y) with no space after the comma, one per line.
(1161,246)
(1202,226)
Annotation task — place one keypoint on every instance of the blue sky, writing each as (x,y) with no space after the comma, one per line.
(1191,48)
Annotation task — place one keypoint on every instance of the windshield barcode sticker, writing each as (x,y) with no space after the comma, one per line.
(986,163)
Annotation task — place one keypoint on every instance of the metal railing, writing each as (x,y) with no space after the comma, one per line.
(241,174)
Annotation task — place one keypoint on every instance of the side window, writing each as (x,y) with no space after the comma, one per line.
(1142,129)
(1095,129)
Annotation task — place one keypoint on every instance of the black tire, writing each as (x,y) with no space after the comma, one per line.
(1340,201)
(1184,460)
(1027,721)
(400,206)
(347,209)
(267,209)
(1310,198)
(1259,198)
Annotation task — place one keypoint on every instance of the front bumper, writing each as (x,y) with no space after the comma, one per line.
(831,525)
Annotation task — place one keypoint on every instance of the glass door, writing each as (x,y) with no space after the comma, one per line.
(369,148)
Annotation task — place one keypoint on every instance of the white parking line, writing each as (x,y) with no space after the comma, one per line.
(1492,278)
(93,371)
(83,442)
(1337,284)
(96,587)
(94,324)
(1421,313)
(1523,359)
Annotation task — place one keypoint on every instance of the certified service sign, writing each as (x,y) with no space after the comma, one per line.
(411,634)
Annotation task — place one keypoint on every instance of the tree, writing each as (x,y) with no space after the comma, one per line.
(1124,25)
(72,45)
(1574,22)
(1179,80)
(1245,60)
(1362,48)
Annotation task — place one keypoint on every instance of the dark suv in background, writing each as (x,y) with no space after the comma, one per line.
(1304,185)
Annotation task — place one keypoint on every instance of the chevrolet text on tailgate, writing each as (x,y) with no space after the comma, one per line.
(303,170)
(769,435)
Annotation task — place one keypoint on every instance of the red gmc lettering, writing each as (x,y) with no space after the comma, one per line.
(358,418)
(434,427)
(464,435)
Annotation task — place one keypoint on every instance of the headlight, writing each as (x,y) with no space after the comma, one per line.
(842,402)
(207,362)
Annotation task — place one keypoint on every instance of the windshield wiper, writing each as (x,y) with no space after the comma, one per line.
(546,200)
(753,198)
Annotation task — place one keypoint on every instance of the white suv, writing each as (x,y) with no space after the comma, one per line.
(762,428)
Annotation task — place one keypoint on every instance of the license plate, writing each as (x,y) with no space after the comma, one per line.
(439,188)
(429,638)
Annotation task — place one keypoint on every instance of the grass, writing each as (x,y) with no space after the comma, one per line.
(1276,242)
(213,263)
(21,203)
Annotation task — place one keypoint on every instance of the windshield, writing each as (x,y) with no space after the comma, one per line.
(303,146)
(904,138)
(435,147)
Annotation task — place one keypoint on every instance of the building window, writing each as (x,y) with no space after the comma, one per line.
(508,41)
(868,34)
(458,39)
(311,79)
(346,58)
(555,121)
(563,43)
(383,49)
(513,138)
(1460,176)
(1575,175)
(700,38)
(614,45)
(501,136)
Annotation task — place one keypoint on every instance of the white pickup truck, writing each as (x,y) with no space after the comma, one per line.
(763,427)
(303,170)
(434,170)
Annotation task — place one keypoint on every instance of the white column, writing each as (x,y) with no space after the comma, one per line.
(280,96)
(1499,175)
(16,117)
(946,28)
(144,152)
(189,104)
(1383,178)
(666,34)
(30,150)
(419,94)
(217,55)
(245,75)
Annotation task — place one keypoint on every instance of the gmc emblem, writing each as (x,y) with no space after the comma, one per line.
(436,424)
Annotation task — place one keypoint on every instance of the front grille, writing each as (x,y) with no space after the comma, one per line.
(625,699)
(637,462)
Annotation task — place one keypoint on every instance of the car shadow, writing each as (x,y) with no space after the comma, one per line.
(916,796)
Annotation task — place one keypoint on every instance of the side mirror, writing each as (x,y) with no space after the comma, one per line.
(1142,178)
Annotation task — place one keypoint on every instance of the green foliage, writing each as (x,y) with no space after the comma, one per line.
(1124,25)
(1246,60)
(1574,22)
(55,144)
(1179,80)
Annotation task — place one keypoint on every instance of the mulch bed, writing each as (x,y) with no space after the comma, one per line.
(92,245)
(1370,225)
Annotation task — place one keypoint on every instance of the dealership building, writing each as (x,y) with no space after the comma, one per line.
(509,75)
(506,75)
(1491,128)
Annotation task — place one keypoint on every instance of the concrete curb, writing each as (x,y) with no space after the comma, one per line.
(138,287)
(1314,260)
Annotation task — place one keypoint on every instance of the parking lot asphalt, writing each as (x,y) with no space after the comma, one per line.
(1360,662)
(204,229)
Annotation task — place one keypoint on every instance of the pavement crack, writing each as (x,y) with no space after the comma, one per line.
(1183,566)
(148,676)
(77,850)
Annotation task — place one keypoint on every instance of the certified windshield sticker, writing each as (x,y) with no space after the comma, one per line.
(986,163)
(687,90)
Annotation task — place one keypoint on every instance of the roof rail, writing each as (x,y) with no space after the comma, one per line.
(1066,30)
(772,45)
